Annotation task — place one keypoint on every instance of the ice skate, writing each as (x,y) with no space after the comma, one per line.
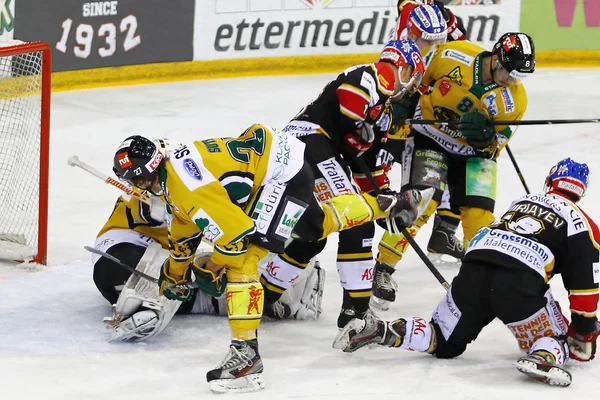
(444,247)
(240,372)
(540,366)
(384,287)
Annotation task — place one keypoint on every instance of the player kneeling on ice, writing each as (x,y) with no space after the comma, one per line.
(245,195)
(505,275)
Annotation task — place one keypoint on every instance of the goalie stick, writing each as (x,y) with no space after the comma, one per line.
(133,270)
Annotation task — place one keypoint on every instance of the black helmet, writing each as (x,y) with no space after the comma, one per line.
(516,54)
(137,157)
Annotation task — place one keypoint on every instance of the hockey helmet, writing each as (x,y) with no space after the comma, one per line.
(136,159)
(569,177)
(428,23)
(402,53)
(516,54)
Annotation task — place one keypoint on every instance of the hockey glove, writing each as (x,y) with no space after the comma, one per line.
(582,347)
(359,141)
(477,129)
(211,283)
(172,288)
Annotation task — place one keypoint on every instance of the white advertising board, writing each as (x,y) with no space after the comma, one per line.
(273,28)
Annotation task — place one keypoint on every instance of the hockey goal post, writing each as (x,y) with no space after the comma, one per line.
(25,70)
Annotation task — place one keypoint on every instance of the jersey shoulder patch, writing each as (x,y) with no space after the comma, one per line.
(189,167)
(385,78)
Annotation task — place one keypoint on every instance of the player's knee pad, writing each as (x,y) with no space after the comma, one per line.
(140,312)
(110,277)
(424,168)
(474,219)
(275,212)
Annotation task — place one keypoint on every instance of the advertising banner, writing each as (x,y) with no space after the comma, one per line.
(562,24)
(273,28)
(89,34)
(7,19)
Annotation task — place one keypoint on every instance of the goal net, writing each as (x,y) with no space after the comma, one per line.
(24,146)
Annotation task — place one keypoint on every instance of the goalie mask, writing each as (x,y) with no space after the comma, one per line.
(137,161)
(568,177)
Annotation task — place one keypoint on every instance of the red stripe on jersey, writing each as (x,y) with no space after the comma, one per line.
(352,101)
(584,302)
(593,226)
(386,78)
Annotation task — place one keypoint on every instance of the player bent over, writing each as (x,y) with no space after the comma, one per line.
(505,275)
(135,233)
(341,124)
(246,195)
(470,84)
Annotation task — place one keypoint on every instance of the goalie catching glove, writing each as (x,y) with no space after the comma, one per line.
(477,129)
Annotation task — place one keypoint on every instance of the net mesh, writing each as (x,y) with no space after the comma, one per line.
(20,136)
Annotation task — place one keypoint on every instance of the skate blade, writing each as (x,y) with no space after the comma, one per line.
(379,304)
(555,376)
(244,384)
(443,260)
(342,340)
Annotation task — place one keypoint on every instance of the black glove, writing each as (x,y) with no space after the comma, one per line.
(360,140)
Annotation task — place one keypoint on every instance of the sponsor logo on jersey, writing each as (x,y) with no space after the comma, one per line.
(490,103)
(456,76)
(266,206)
(374,112)
(335,176)
(458,56)
(445,87)
(509,103)
(291,214)
(124,160)
(322,190)
(210,229)
(192,169)
(367,242)
(596,273)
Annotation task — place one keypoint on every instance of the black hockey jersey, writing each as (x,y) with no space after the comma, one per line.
(550,235)
(359,94)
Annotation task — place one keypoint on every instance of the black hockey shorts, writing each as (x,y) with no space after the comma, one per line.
(471,180)
(478,294)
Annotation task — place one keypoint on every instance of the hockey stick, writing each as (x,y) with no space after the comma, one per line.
(514,162)
(498,122)
(74,161)
(133,270)
(404,231)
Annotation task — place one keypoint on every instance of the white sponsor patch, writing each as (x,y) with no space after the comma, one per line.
(596,273)
(525,43)
(509,103)
(368,82)
(266,206)
(187,163)
(155,161)
(533,328)
(447,314)
(458,56)
(490,103)
(367,242)
(210,229)
(291,214)
(335,176)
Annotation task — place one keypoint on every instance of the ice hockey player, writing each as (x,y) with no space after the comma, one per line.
(505,275)
(341,124)
(469,83)
(246,196)
(136,233)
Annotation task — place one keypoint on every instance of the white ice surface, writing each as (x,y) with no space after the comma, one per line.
(52,339)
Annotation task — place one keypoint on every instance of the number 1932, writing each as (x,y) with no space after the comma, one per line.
(84,34)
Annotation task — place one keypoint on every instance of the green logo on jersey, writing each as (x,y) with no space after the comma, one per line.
(290,222)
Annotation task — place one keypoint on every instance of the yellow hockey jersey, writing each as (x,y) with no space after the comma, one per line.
(454,71)
(208,183)
(131,213)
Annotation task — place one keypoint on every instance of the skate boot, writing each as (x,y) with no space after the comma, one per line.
(361,332)
(240,372)
(443,242)
(352,308)
(541,365)
(384,288)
